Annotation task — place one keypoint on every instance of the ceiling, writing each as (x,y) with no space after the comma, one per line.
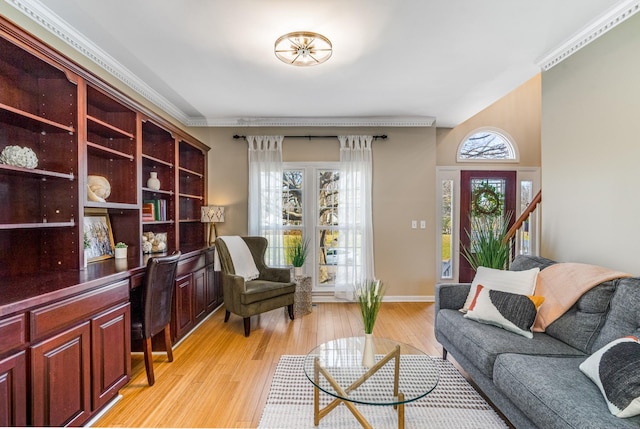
(402,62)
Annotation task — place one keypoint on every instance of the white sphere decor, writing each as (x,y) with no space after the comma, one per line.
(98,188)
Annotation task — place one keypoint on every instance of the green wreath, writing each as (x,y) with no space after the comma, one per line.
(486,200)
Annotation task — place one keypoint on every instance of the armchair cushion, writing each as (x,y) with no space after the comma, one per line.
(259,290)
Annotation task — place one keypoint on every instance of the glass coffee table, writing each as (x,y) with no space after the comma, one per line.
(401,374)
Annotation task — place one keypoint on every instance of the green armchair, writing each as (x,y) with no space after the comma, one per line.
(272,289)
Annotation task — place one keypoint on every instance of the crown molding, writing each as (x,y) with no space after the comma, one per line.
(50,21)
(611,19)
(373,121)
(35,10)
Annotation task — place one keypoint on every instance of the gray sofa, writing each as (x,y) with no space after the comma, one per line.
(536,383)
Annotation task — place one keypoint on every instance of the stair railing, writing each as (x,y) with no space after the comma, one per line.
(518,235)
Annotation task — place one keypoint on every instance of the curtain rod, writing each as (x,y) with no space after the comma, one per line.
(381,137)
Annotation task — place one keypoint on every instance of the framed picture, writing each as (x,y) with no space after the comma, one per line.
(98,234)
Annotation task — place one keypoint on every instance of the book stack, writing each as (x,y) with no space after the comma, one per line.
(154,210)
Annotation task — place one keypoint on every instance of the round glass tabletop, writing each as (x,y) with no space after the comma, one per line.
(336,367)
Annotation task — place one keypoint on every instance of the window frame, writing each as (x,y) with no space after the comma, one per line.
(503,134)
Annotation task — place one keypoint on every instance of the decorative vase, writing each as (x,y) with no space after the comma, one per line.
(153,182)
(297,272)
(368,353)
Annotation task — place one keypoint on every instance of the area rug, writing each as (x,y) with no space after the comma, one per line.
(454,403)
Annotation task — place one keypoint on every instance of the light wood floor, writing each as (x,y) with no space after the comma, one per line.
(219,378)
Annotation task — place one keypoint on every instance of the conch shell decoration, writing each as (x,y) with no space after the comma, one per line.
(98,188)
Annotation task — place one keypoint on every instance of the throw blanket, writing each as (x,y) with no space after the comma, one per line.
(241,257)
(563,284)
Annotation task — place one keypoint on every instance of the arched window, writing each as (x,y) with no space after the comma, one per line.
(487,145)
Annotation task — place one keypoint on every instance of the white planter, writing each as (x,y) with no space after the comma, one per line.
(121,253)
(298,272)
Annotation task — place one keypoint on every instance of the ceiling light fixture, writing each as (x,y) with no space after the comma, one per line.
(303,48)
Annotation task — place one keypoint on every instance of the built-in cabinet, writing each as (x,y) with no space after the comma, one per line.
(64,325)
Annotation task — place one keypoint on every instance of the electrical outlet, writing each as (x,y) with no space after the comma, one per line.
(414,224)
(423,224)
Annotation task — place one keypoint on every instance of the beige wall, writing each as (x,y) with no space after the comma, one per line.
(591,151)
(517,114)
(403,190)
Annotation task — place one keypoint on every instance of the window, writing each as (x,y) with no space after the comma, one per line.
(487,145)
(310,210)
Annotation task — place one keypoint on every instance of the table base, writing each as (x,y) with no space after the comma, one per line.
(319,413)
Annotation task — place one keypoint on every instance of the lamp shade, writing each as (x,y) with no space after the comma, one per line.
(212,214)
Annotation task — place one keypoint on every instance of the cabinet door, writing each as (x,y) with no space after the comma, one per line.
(13,392)
(111,353)
(184,311)
(61,378)
(200,292)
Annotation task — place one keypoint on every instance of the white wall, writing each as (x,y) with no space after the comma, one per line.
(591,153)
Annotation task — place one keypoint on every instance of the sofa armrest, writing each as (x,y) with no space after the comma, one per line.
(451,295)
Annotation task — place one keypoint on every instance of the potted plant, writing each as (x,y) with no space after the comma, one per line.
(121,250)
(298,251)
(488,246)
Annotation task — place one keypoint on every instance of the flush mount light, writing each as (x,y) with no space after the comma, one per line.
(303,48)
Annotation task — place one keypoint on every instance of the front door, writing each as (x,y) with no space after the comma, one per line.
(483,193)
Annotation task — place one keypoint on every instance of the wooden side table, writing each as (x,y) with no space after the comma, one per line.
(302,296)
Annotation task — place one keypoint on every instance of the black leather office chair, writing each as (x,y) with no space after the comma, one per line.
(151,311)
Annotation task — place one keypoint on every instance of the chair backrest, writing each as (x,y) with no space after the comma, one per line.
(157,293)
(257,246)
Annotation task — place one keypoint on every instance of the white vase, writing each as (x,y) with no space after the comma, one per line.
(153,182)
(368,352)
(297,272)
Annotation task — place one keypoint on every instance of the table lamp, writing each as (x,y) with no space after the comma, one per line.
(211,215)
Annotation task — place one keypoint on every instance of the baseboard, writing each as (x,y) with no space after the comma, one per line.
(319,298)
(106,408)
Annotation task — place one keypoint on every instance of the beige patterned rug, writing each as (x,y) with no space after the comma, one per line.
(454,403)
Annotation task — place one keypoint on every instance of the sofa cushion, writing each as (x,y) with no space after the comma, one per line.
(581,324)
(513,312)
(482,344)
(520,282)
(624,317)
(615,369)
(553,392)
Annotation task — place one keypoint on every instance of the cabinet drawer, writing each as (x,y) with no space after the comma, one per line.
(13,332)
(190,265)
(50,318)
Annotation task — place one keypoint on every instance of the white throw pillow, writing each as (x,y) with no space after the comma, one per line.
(511,311)
(615,369)
(519,282)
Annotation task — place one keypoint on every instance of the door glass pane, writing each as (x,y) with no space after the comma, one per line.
(447,216)
(487,207)
(524,237)
(292,209)
(292,201)
(327,226)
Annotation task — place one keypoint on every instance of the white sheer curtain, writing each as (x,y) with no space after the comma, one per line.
(265,194)
(355,237)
